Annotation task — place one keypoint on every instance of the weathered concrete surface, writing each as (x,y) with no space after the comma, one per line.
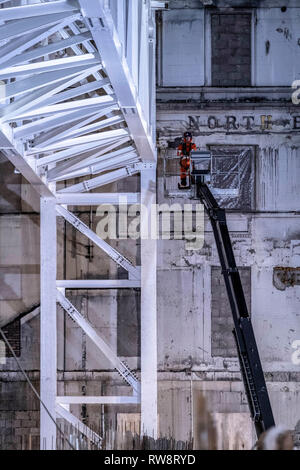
(264,236)
(20,266)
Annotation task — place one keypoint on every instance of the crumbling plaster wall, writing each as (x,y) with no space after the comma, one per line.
(265,237)
(186,31)
(262,240)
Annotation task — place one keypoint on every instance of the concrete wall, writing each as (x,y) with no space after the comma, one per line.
(183,51)
(277,47)
(190,36)
(264,236)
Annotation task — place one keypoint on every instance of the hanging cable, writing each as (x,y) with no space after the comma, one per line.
(33,388)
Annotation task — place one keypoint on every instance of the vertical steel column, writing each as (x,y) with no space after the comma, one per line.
(148,304)
(48,342)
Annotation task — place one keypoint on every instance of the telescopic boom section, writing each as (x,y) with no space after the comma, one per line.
(252,372)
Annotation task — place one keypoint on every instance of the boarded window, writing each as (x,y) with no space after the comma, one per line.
(222,341)
(232,176)
(231,49)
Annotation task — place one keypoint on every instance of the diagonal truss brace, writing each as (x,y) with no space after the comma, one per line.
(114,254)
(102,180)
(123,370)
(85,430)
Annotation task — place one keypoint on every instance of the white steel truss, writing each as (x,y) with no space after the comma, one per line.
(77,100)
(123,370)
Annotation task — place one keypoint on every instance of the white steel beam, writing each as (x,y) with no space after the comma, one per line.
(45,96)
(41,80)
(111,252)
(46,50)
(18,45)
(51,95)
(102,180)
(86,139)
(95,199)
(48,328)
(62,412)
(101,24)
(105,400)
(102,166)
(102,284)
(79,162)
(159,5)
(64,141)
(49,65)
(82,127)
(75,129)
(32,128)
(73,151)
(123,370)
(149,421)
(78,51)
(28,11)
(92,103)
(29,25)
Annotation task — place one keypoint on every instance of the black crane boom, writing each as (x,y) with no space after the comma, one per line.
(251,368)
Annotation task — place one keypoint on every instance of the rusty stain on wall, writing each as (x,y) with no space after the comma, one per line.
(284,277)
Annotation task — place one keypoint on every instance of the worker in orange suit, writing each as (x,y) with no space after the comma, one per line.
(184,151)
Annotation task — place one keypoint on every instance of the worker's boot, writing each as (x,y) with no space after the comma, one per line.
(182,184)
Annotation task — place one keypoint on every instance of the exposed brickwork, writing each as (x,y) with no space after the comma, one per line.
(13,334)
(231,49)
(19,415)
(222,341)
(19,430)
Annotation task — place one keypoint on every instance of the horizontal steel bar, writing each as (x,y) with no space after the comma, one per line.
(105,151)
(49,49)
(101,284)
(67,130)
(86,139)
(100,167)
(89,103)
(28,11)
(28,25)
(49,65)
(102,180)
(51,122)
(42,80)
(74,151)
(95,199)
(80,400)
(20,44)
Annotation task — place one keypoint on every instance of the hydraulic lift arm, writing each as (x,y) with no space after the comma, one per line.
(251,369)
